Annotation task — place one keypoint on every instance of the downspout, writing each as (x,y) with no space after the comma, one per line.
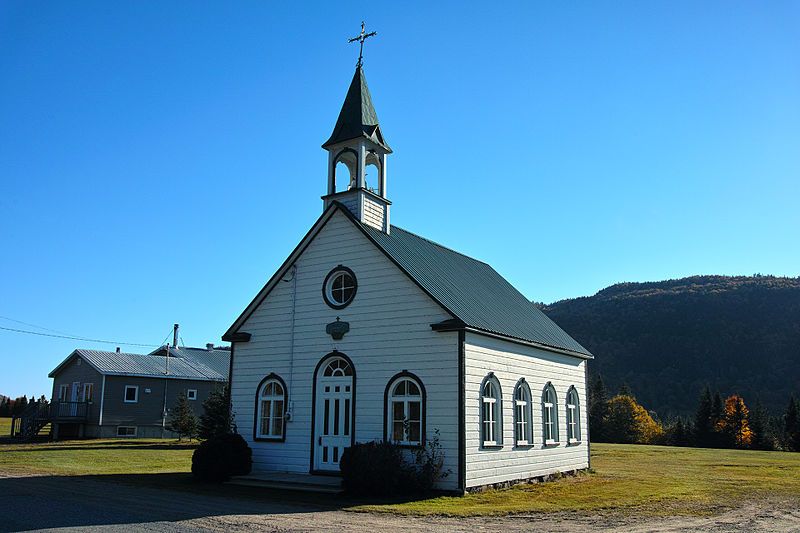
(291,342)
(102,397)
(164,407)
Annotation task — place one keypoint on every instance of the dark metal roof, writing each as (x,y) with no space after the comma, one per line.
(357,117)
(187,365)
(471,290)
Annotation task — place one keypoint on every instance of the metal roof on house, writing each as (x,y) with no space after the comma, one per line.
(357,117)
(470,289)
(186,363)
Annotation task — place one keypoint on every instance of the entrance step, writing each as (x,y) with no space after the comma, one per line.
(290,481)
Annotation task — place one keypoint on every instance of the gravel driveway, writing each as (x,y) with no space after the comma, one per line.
(74,503)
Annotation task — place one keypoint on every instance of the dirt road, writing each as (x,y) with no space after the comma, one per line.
(74,503)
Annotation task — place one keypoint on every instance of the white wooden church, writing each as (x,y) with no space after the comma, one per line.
(370,332)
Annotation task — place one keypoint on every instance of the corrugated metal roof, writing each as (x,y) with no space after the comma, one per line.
(187,365)
(471,289)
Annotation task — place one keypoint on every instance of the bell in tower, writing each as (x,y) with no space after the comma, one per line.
(357,154)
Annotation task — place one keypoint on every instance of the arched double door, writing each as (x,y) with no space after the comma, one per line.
(334,411)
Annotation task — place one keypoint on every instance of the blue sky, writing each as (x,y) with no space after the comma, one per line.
(158,162)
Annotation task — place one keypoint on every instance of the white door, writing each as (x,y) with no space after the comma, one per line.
(333,414)
(73,407)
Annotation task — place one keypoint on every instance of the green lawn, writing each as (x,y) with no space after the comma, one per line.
(626,479)
(97,457)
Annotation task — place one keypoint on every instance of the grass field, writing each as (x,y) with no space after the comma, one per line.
(5,426)
(97,457)
(626,479)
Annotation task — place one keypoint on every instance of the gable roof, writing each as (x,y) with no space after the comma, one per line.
(357,117)
(190,367)
(470,290)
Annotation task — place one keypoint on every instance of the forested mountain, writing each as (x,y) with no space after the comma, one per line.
(668,339)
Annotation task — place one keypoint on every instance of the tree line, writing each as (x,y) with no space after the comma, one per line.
(716,423)
(17,406)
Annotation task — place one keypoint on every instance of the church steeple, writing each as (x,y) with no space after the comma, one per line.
(358,148)
(357,117)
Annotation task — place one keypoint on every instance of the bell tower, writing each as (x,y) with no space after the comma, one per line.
(357,155)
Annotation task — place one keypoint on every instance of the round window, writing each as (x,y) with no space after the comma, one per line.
(340,287)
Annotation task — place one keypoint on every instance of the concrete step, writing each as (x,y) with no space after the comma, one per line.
(287,481)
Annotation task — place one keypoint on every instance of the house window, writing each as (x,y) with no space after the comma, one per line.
(191,394)
(405,404)
(88,392)
(491,399)
(573,416)
(126,431)
(549,415)
(340,287)
(131,394)
(522,414)
(271,403)
(63,393)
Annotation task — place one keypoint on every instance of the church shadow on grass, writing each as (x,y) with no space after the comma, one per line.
(42,502)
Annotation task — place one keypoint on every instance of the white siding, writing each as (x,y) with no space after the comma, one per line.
(510,362)
(390,331)
(374,213)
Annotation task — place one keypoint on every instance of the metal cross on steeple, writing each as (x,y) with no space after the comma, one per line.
(361,38)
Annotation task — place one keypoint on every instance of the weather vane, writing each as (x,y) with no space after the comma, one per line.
(361,38)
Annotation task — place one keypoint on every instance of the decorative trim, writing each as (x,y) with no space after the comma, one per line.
(337,329)
(313,431)
(366,191)
(462,422)
(551,443)
(588,436)
(573,441)
(282,438)
(333,272)
(522,383)
(423,408)
(499,437)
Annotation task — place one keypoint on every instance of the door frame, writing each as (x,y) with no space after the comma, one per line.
(313,450)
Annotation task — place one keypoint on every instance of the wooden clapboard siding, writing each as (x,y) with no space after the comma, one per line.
(390,332)
(510,362)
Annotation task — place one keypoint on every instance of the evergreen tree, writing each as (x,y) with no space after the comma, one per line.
(5,408)
(760,426)
(598,407)
(678,433)
(20,404)
(182,419)
(791,427)
(216,418)
(717,414)
(703,426)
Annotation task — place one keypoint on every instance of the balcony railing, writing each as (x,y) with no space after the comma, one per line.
(69,410)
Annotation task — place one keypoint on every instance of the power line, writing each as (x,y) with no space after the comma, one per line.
(32,325)
(85,339)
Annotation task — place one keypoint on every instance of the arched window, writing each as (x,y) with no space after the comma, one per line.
(573,416)
(405,410)
(271,409)
(550,415)
(522,414)
(338,367)
(491,411)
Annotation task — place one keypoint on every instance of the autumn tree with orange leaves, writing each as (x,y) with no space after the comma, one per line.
(734,424)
